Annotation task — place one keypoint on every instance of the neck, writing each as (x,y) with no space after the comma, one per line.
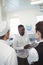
(21,34)
(4,38)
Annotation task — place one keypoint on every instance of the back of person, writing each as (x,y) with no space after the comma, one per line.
(39,49)
(7,54)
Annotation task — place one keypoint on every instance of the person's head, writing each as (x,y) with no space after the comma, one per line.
(4,30)
(21,30)
(39,30)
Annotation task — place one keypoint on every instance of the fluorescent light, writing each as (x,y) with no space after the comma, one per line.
(36,2)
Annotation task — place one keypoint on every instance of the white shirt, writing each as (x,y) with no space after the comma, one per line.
(33,55)
(19,43)
(7,54)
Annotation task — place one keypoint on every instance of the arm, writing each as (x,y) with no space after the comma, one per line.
(28,44)
(33,56)
(16,47)
(15,44)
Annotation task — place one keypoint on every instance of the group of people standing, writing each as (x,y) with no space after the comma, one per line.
(22,51)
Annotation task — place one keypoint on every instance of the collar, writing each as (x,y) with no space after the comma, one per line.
(40,41)
(23,35)
(3,41)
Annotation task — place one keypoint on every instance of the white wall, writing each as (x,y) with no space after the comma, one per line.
(27,17)
(3,12)
(0,13)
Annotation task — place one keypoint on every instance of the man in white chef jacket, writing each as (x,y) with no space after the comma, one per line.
(21,44)
(7,54)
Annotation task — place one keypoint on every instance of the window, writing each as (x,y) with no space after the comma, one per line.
(40,18)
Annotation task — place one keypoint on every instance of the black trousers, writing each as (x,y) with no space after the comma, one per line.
(22,61)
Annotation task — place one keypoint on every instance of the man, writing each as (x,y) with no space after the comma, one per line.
(19,43)
(39,48)
(7,54)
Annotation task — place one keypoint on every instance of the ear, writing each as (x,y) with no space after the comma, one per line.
(39,34)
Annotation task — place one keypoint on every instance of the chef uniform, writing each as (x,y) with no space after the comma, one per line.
(7,54)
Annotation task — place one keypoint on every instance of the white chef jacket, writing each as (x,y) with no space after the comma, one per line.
(19,43)
(7,54)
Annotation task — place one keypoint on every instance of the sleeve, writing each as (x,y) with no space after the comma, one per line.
(12,59)
(33,56)
(28,40)
(15,45)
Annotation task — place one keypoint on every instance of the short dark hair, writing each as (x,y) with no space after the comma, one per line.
(20,26)
(39,27)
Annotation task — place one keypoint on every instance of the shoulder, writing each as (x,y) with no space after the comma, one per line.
(6,49)
(39,45)
(16,36)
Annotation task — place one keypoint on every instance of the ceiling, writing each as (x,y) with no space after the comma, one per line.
(14,5)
